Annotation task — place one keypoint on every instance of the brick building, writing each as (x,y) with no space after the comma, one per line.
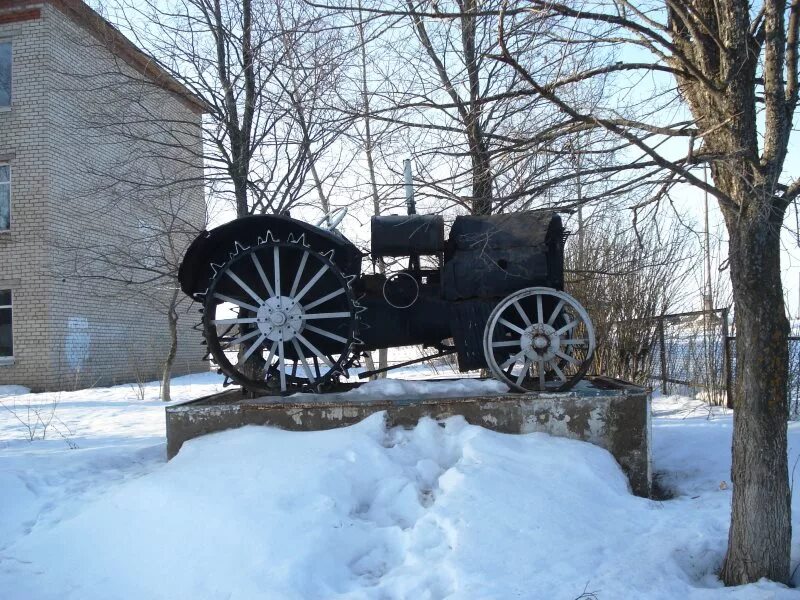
(88,200)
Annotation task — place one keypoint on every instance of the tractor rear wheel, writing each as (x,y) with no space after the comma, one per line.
(280,317)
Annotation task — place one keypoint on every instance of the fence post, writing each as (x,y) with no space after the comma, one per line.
(663,347)
(726,358)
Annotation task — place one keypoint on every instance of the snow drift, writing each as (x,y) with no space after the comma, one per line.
(440,511)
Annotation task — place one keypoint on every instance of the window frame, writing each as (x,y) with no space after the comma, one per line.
(10,42)
(9,359)
(7,183)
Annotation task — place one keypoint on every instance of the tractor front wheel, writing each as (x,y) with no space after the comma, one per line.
(539,339)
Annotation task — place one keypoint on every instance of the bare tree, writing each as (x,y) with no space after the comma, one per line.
(314,61)
(243,63)
(736,70)
(466,103)
(480,138)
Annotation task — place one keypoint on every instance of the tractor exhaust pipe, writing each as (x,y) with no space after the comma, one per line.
(410,205)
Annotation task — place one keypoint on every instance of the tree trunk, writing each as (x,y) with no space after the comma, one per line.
(760,534)
(172,320)
(240,192)
(469,111)
(479,153)
(481,176)
(323,199)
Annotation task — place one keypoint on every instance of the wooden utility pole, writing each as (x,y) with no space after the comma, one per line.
(727,367)
(663,352)
(709,297)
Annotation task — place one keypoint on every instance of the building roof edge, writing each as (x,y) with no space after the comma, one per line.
(118,44)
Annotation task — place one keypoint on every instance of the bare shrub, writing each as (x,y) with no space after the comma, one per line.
(625,277)
(139,385)
(140,373)
(36,415)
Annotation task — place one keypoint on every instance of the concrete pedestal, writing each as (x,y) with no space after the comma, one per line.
(608,413)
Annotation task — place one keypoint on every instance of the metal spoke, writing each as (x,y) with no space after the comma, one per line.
(236,302)
(327,334)
(313,349)
(522,314)
(574,342)
(244,337)
(524,371)
(333,294)
(244,286)
(277,264)
(303,360)
(299,274)
(252,348)
(539,309)
(333,315)
(282,364)
(567,357)
(505,344)
(540,361)
(513,359)
(314,280)
(566,327)
(511,326)
(234,321)
(263,275)
(559,372)
(271,354)
(557,310)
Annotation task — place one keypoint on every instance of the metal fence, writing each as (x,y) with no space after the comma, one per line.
(695,353)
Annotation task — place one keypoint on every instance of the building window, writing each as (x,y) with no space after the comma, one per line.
(5,197)
(5,74)
(6,340)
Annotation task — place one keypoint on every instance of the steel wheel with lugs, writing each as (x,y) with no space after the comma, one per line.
(280,317)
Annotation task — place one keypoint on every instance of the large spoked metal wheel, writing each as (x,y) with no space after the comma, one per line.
(539,339)
(280,317)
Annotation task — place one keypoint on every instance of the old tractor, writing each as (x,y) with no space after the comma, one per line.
(286,306)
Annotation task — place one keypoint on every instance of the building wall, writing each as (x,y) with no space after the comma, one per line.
(23,251)
(94,218)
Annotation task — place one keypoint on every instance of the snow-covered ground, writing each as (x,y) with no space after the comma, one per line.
(439,511)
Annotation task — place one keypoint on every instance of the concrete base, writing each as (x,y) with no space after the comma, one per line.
(608,413)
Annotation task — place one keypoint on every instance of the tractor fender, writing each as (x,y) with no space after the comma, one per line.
(216,246)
